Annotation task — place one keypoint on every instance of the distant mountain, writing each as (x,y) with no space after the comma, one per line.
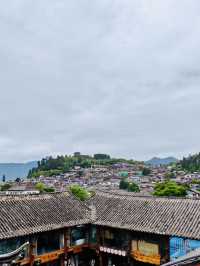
(14,170)
(161,161)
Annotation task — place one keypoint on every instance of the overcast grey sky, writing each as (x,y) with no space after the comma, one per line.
(114,76)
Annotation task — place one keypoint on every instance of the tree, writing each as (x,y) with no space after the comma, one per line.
(101,156)
(5,187)
(43,188)
(85,163)
(146,171)
(77,154)
(79,192)
(127,185)
(133,187)
(17,180)
(49,189)
(124,183)
(190,164)
(40,186)
(170,188)
(4,178)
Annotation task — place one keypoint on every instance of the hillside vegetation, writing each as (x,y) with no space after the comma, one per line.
(61,164)
(191,163)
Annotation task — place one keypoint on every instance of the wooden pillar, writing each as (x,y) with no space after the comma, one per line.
(62,259)
(100,237)
(100,259)
(33,246)
(167,241)
(66,237)
(164,244)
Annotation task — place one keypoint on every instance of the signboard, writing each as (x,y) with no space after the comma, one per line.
(153,259)
(50,256)
(122,253)
(145,252)
(147,248)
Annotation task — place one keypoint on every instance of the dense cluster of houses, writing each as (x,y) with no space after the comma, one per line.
(108,177)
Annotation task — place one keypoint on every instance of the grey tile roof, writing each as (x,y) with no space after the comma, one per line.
(22,215)
(165,216)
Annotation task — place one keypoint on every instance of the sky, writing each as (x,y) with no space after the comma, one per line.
(99,76)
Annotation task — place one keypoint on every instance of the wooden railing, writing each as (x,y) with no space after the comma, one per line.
(55,255)
(152,259)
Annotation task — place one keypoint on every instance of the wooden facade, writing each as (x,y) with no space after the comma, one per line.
(92,245)
(58,247)
(125,247)
(108,230)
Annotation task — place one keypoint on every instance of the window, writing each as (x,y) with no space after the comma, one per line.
(115,238)
(78,235)
(48,242)
(181,246)
(93,234)
(7,246)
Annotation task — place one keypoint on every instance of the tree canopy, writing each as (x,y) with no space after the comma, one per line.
(146,171)
(43,188)
(5,187)
(191,163)
(80,192)
(124,183)
(128,185)
(101,156)
(170,188)
(133,187)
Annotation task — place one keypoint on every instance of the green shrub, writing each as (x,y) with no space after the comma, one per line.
(80,192)
(170,188)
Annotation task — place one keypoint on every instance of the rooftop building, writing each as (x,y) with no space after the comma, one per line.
(110,229)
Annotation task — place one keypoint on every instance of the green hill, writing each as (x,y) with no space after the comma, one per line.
(61,164)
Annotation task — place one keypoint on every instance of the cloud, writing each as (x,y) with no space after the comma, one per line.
(120,77)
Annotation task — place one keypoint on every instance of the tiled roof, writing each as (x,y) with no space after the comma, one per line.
(165,216)
(22,215)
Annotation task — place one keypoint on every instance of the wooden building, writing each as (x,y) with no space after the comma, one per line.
(110,229)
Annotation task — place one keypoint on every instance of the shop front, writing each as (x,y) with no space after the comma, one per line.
(113,260)
(86,257)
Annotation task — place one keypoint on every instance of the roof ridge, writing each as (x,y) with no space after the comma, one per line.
(134,195)
(30,195)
